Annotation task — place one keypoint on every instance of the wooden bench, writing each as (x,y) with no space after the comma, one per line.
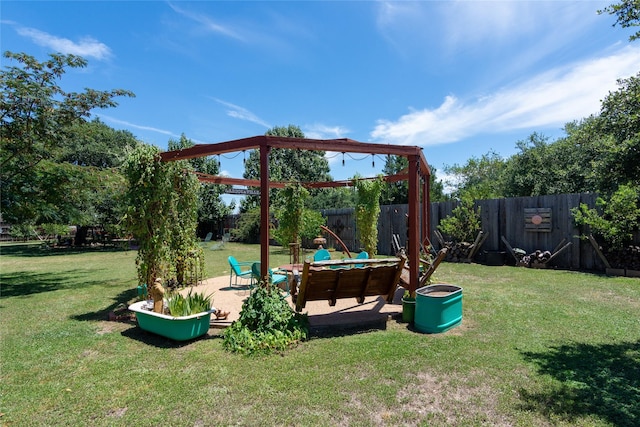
(350,278)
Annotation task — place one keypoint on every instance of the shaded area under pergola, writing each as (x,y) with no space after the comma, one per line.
(417,175)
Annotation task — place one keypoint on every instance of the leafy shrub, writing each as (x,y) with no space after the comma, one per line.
(248,227)
(266,323)
(614,220)
(180,305)
(464,222)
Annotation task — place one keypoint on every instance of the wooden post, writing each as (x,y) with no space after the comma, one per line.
(414,225)
(264,209)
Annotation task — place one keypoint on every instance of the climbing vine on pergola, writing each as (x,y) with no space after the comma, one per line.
(417,175)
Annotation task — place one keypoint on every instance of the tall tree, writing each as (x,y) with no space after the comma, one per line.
(286,165)
(95,144)
(35,117)
(479,178)
(395,193)
(620,119)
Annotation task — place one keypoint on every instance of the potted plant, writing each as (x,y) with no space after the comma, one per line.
(408,307)
(183,317)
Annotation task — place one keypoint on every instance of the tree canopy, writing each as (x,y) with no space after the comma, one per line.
(37,119)
(286,165)
(627,13)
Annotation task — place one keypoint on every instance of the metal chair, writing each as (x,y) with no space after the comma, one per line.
(321,255)
(236,269)
(274,278)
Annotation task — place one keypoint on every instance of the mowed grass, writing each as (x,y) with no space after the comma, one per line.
(536,347)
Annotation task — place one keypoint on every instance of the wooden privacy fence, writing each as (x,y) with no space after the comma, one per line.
(529,223)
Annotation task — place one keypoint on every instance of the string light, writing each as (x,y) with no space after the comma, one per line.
(373,160)
(244,160)
(343,158)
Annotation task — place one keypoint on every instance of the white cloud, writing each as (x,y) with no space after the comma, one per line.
(321,131)
(135,126)
(86,47)
(549,99)
(242,113)
(207,23)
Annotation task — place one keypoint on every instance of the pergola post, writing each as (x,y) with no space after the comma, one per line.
(264,209)
(426,203)
(414,224)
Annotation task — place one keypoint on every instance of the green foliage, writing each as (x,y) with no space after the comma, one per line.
(211,207)
(180,305)
(406,296)
(367,212)
(52,231)
(333,198)
(294,219)
(464,222)
(22,232)
(161,202)
(627,13)
(398,192)
(616,219)
(286,165)
(480,178)
(36,116)
(620,120)
(266,323)
(95,144)
(248,226)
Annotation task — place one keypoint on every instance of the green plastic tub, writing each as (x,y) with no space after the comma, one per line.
(176,328)
(438,308)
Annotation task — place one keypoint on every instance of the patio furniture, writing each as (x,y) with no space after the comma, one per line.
(336,279)
(362,255)
(426,270)
(321,255)
(276,279)
(236,269)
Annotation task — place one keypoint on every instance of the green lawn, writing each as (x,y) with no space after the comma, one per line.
(535,347)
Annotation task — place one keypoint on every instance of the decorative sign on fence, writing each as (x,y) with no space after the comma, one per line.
(537,219)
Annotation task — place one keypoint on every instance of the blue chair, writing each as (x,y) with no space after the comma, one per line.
(362,255)
(322,255)
(236,269)
(276,279)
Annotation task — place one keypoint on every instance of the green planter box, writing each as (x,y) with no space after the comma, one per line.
(176,328)
(408,310)
(438,308)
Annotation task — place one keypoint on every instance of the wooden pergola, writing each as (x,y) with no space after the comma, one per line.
(417,175)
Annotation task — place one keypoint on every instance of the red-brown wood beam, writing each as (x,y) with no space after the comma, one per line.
(426,208)
(414,223)
(264,210)
(255,142)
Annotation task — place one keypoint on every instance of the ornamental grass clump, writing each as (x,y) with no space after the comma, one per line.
(266,323)
(193,303)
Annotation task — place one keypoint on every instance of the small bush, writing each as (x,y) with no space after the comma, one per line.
(615,220)
(266,323)
(464,222)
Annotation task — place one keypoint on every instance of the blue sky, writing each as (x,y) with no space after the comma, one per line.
(458,78)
